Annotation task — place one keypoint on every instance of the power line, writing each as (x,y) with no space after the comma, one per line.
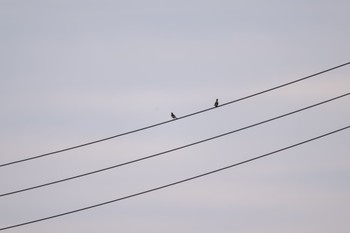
(169,121)
(174,149)
(174,183)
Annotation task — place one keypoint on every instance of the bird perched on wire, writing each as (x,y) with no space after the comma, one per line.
(173,116)
(216,103)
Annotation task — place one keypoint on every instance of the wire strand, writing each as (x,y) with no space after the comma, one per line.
(174,149)
(174,183)
(169,121)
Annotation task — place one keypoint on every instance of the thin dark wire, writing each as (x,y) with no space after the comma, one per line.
(174,149)
(174,183)
(165,122)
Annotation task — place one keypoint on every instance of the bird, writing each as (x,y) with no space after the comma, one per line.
(216,103)
(173,116)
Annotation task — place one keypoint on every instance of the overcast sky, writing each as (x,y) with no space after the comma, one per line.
(81,70)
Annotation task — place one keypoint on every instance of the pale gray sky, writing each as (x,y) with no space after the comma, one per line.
(76,71)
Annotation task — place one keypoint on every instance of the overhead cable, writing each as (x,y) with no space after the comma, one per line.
(174,149)
(174,183)
(169,121)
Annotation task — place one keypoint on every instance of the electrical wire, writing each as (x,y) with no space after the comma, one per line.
(174,183)
(169,121)
(174,149)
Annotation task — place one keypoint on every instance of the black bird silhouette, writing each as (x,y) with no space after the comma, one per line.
(216,103)
(173,116)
